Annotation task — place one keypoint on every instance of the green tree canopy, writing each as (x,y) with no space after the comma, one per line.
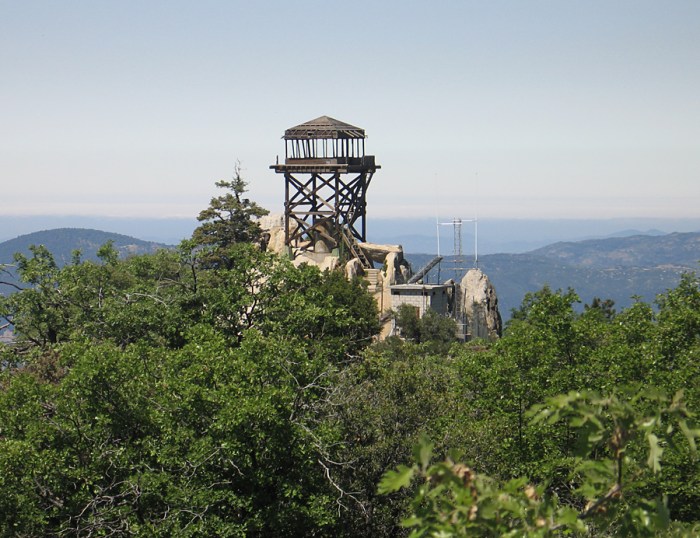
(230,219)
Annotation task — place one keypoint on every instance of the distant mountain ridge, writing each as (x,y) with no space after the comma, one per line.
(675,250)
(61,242)
(510,236)
(617,268)
(160,230)
(416,234)
(627,233)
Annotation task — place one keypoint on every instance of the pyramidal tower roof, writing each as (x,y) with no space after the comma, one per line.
(323,127)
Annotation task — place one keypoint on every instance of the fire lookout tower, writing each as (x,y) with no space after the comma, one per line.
(326,175)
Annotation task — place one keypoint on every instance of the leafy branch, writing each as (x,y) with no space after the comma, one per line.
(454,500)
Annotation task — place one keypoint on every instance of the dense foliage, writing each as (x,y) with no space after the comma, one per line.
(151,396)
(432,328)
(602,436)
(217,390)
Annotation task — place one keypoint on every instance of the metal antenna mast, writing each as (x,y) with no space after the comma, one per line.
(458,259)
(457,252)
(459,266)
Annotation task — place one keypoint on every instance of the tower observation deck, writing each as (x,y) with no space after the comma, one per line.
(326,173)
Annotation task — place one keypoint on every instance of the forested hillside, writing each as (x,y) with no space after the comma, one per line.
(61,242)
(67,245)
(216,390)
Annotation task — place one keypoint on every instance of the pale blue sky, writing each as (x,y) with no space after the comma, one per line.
(525,109)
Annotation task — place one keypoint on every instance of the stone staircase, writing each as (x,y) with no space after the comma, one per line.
(374,280)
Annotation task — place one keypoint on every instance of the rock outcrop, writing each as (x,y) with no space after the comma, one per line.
(394,268)
(378,253)
(479,306)
(273,230)
(353,269)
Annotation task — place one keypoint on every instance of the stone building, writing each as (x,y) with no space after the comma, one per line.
(422,297)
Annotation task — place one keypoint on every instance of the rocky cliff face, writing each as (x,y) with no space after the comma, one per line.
(479,306)
(394,269)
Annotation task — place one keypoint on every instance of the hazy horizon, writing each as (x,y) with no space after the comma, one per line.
(416,235)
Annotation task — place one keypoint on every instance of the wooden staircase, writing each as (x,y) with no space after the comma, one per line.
(355,249)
